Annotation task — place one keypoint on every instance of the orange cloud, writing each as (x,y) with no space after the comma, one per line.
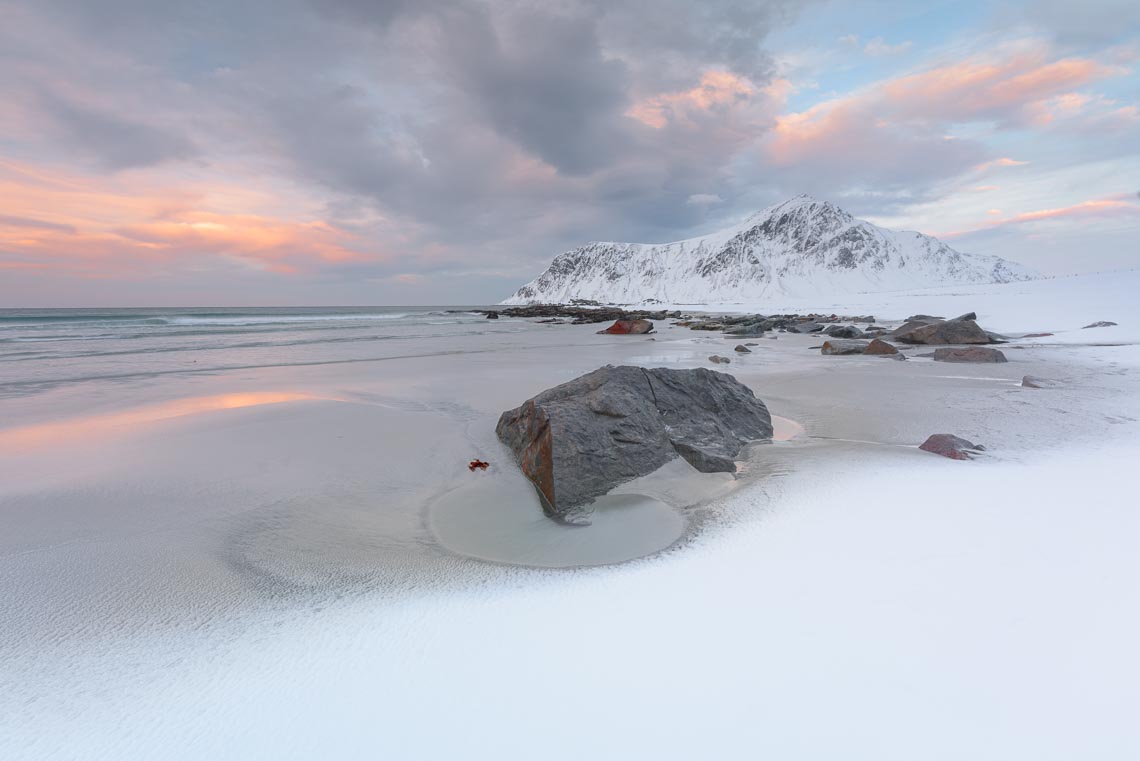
(111,228)
(717,89)
(1115,206)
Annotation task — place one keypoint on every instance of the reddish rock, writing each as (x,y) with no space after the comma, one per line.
(477,464)
(972,354)
(956,331)
(949,445)
(628,327)
(881,347)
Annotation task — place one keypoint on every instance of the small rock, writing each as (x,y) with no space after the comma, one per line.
(838,346)
(717,360)
(1101,324)
(755,344)
(1037,335)
(949,445)
(628,327)
(477,464)
(1030,381)
(881,347)
(843,331)
(742,349)
(972,354)
(492,315)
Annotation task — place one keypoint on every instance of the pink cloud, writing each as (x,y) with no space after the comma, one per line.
(97,228)
(906,120)
(1118,206)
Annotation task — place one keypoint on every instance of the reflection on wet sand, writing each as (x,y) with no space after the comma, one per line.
(24,437)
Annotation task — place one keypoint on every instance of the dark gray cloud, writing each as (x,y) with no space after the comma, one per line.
(113,142)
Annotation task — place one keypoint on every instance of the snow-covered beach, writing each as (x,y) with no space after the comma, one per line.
(239,559)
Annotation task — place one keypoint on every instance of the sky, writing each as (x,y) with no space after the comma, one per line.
(326,152)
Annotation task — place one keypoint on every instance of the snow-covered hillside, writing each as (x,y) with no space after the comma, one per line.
(802,247)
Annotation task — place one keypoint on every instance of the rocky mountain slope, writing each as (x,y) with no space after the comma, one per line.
(802,247)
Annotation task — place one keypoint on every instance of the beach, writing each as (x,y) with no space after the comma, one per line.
(254,533)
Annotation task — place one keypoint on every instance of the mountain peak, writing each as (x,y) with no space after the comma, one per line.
(800,247)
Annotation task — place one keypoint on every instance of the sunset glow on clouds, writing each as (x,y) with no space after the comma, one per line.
(342,152)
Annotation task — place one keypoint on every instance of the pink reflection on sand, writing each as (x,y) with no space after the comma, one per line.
(43,434)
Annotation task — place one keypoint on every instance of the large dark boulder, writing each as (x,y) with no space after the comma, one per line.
(972,354)
(579,440)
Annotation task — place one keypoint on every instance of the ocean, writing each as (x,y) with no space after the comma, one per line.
(60,349)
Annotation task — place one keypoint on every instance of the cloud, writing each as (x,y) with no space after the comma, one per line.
(704,199)
(35,224)
(899,138)
(1113,207)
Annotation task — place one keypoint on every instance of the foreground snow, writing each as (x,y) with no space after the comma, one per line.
(864,600)
(941,611)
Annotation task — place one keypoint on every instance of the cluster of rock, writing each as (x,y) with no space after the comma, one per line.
(579,440)
(580,313)
(756,325)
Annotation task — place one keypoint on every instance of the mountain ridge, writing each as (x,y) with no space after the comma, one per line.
(800,247)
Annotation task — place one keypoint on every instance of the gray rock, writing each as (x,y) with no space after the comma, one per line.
(838,346)
(577,441)
(843,331)
(1100,324)
(718,360)
(742,349)
(962,317)
(805,327)
(972,354)
(492,315)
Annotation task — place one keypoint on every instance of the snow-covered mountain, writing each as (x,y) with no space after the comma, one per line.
(802,247)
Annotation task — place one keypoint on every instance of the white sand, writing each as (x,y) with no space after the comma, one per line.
(261,581)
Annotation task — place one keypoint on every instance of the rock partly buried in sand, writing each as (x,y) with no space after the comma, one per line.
(972,354)
(1100,324)
(957,331)
(718,360)
(949,445)
(742,349)
(577,441)
(628,327)
(1030,381)
(838,346)
(880,347)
